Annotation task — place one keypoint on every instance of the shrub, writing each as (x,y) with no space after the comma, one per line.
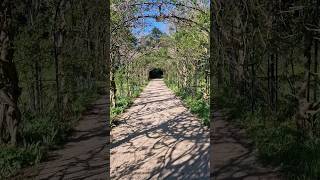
(40,133)
(277,140)
(12,159)
(196,103)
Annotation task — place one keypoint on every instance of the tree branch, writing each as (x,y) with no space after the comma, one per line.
(164,17)
(171,3)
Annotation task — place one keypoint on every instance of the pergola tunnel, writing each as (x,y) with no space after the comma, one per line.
(156,73)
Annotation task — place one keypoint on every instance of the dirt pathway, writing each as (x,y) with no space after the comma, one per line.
(84,156)
(158,138)
(233,156)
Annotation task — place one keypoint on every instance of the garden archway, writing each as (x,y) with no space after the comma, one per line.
(156,73)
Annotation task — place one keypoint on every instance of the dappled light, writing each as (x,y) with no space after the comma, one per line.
(161,56)
(84,154)
(139,89)
(158,137)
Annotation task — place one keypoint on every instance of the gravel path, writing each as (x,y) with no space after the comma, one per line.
(158,138)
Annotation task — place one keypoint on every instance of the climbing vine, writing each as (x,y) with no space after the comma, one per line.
(182,54)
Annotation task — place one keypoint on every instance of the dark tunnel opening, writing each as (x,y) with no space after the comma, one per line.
(156,73)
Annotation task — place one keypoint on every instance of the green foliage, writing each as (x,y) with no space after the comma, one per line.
(278,141)
(129,86)
(271,83)
(156,34)
(123,103)
(298,157)
(40,133)
(55,77)
(183,56)
(196,104)
(13,159)
(42,129)
(198,107)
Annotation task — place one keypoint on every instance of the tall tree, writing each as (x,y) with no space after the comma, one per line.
(9,88)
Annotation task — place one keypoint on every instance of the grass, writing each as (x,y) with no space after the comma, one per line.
(123,103)
(39,134)
(196,104)
(13,159)
(277,140)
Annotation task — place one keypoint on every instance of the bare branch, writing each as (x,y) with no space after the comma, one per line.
(157,17)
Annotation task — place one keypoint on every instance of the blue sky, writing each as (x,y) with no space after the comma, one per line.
(150,23)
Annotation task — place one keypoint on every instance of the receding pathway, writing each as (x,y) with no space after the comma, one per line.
(158,138)
(233,156)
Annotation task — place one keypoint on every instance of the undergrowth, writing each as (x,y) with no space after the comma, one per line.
(196,104)
(277,140)
(123,102)
(39,134)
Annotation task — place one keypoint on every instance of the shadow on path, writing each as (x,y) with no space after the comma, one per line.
(158,138)
(84,156)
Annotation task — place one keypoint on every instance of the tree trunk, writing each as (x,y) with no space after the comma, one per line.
(113,89)
(316,83)
(127,80)
(9,88)
(309,73)
(38,85)
(272,82)
(59,24)
(276,83)
(252,88)
(316,77)
(56,38)
(195,80)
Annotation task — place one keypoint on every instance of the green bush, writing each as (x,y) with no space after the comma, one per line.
(277,140)
(280,146)
(196,103)
(124,102)
(79,104)
(12,159)
(43,130)
(41,133)
(198,107)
